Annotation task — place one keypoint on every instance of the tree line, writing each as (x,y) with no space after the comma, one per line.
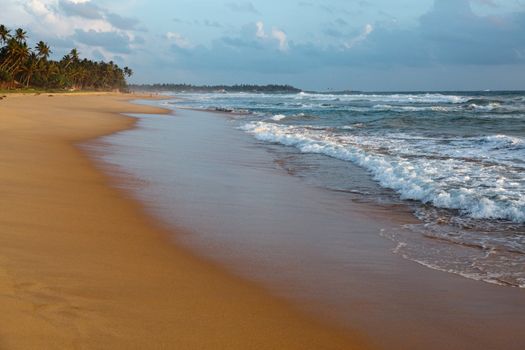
(271,88)
(22,66)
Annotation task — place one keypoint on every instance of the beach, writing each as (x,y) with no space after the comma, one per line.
(295,223)
(262,175)
(83,266)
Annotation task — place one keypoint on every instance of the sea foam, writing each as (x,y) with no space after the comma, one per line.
(478,190)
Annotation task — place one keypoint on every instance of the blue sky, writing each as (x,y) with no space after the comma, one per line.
(313,44)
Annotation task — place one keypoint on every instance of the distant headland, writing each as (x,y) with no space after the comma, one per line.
(271,88)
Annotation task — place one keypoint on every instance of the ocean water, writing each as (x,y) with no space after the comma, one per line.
(457,159)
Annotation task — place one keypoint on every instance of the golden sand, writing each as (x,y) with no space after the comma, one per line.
(81,266)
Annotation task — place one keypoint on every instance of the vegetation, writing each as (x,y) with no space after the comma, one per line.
(22,67)
(217,88)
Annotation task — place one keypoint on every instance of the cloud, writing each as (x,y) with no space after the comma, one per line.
(84,9)
(280,36)
(449,34)
(88,10)
(83,24)
(123,23)
(178,40)
(367,30)
(110,41)
(452,33)
(276,34)
(260,30)
(245,6)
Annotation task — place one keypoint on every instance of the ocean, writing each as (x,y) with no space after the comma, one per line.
(456,159)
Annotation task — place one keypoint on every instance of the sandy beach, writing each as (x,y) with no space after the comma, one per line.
(82,266)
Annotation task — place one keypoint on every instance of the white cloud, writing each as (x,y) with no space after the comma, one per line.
(280,36)
(276,34)
(66,24)
(179,40)
(260,30)
(46,18)
(367,30)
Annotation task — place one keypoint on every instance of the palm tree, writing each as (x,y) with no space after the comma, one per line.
(74,55)
(30,68)
(43,50)
(66,61)
(19,64)
(128,72)
(4,33)
(9,53)
(20,35)
(17,53)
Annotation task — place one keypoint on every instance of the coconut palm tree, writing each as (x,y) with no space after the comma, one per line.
(29,69)
(4,34)
(128,72)
(20,52)
(20,35)
(74,55)
(9,53)
(19,64)
(43,50)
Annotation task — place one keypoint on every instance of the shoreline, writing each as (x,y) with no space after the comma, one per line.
(230,194)
(83,266)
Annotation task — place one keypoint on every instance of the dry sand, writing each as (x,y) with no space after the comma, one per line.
(81,265)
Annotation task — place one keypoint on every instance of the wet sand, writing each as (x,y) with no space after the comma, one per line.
(82,266)
(320,249)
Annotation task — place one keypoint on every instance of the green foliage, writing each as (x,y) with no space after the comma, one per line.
(23,67)
(272,88)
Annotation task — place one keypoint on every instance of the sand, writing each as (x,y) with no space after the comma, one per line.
(82,265)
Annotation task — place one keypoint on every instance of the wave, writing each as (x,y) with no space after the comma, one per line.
(484,101)
(462,257)
(293,117)
(484,107)
(364,103)
(383,107)
(504,141)
(475,189)
(493,149)
(400,98)
(472,107)
(278,117)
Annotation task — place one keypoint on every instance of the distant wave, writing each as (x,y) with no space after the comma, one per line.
(400,98)
(484,107)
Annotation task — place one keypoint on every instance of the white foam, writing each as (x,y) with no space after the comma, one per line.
(478,190)
(398,98)
(467,257)
(278,117)
(488,107)
(400,108)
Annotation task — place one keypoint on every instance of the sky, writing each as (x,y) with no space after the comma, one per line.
(374,45)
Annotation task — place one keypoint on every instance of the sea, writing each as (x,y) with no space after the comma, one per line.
(455,159)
